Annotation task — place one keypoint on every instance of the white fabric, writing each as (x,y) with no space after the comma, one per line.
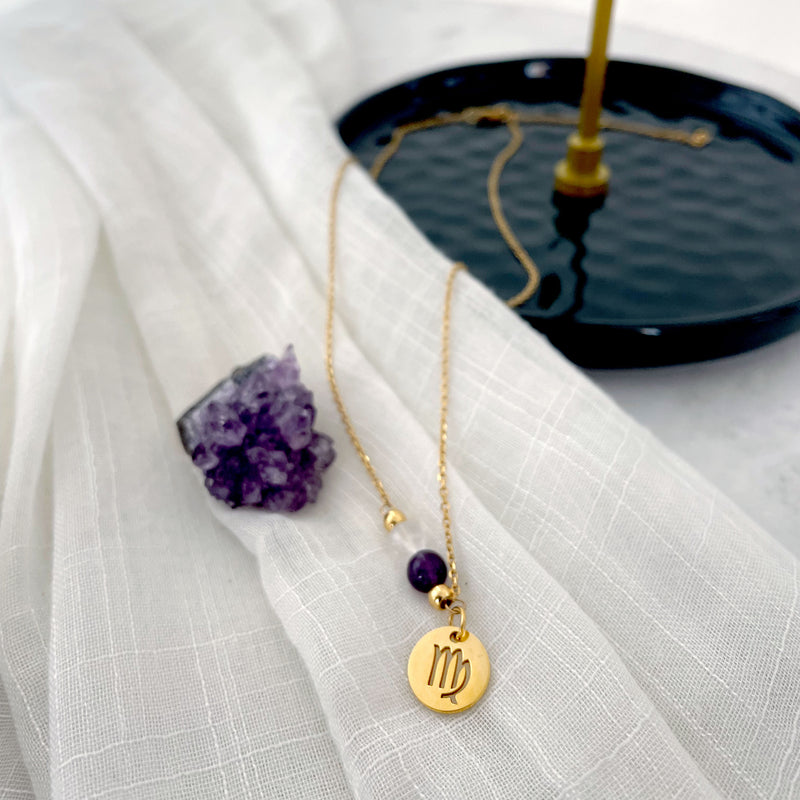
(165,178)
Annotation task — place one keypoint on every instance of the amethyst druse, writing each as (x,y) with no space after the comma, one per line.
(273,468)
(218,489)
(252,436)
(286,371)
(321,447)
(252,493)
(312,488)
(226,480)
(221,426)
(285,500)
(293,413)
(204,458)
(256,385)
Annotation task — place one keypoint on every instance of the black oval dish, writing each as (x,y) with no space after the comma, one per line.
(694,253)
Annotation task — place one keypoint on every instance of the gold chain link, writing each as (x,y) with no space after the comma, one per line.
(514,244)
(337,397)
(444,397)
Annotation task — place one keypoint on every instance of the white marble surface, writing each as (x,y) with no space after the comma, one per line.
(736,420)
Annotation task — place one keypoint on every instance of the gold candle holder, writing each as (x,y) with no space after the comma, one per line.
(582,173)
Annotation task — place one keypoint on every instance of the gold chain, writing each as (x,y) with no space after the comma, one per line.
(441,475)
(513,119)
(514,244)
(337,397)
(471,116)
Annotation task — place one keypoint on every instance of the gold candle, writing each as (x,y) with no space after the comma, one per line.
(582,173)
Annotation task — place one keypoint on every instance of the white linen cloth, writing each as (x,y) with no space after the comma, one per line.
(165,173)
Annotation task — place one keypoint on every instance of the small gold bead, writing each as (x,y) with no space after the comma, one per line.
(441,596)
(393,517)
(700,137)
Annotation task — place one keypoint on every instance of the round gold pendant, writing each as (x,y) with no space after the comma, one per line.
(448,675)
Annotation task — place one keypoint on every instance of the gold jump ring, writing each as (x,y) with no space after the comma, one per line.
(458,608)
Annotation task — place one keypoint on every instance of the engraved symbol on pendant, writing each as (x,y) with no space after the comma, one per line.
(447,673)
(461,666)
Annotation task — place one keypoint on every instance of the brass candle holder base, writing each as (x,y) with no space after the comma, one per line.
(582,173)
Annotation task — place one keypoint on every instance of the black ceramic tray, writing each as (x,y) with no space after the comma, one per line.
(694,254)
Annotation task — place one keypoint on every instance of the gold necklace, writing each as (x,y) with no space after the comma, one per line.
(448,668)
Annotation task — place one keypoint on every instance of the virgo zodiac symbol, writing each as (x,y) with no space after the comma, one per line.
(461,669)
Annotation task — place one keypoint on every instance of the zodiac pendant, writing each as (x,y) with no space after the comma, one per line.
(448,669)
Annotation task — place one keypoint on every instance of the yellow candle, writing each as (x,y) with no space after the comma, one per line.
(582,173)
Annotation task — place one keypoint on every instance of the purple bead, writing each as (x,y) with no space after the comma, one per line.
(252,436)
(426,569)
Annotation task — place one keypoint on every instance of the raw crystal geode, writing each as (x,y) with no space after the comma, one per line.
(252,437)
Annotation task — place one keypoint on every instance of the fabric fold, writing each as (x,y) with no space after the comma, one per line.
(160,626)
(52,236)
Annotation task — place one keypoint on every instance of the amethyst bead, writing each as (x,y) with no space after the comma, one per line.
(252,436)
(426,569)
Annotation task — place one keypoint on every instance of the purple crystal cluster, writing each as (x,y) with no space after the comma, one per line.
(252,435)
